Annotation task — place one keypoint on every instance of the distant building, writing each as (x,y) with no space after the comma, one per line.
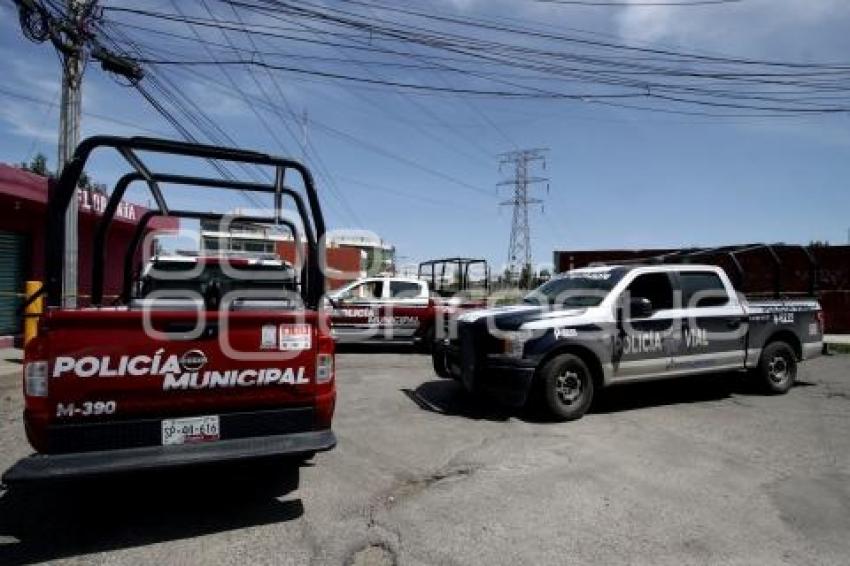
(377,256)
(241,237)
(354,253)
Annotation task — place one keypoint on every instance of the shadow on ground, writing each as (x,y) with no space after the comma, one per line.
(448,397)
(60,520)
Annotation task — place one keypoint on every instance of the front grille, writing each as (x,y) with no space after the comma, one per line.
(148,432)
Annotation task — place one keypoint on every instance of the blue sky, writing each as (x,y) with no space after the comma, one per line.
(421,169)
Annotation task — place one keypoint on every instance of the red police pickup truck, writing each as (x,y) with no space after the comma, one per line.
(173,374)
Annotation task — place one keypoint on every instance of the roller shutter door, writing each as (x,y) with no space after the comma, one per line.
(11,281)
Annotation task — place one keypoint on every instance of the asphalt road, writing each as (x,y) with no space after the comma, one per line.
(699,471)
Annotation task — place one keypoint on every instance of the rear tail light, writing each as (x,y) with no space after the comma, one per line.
(324,368)
(821,321)
(35,379)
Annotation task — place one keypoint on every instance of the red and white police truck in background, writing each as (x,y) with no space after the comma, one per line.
(191,367)
(406,309)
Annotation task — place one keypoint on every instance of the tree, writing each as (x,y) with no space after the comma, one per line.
(85,181)
(38,165)
(526,276)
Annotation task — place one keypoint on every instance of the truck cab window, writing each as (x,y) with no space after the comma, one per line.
(370,290)
(653,286)
(404,290)
(702,289)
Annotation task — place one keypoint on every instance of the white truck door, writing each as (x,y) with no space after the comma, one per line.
(646,340)
(408,301)
(714,329)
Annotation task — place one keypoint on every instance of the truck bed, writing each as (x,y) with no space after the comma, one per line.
(800,319)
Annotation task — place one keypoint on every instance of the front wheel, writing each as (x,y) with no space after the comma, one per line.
(426,343)
(438,360)
(777,367)
(567,387)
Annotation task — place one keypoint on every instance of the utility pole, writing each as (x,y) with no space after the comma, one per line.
(69,137)
(70,33)
(519,247)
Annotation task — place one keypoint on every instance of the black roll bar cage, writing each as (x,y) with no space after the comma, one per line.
(733,253)
(463,264)
(123,184)
(139,234)
(60,196)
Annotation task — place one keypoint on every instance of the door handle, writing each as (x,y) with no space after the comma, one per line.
(734,323)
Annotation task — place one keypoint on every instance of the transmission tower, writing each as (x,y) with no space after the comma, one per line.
(519,248)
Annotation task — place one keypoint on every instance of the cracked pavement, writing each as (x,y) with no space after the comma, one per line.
(693,471)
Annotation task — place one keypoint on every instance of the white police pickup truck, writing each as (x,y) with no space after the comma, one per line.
(392,309)
(595,327)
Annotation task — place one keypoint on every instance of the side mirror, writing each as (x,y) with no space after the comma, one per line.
(640,307)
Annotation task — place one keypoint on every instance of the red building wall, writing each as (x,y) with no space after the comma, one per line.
(23,203)
(346,260)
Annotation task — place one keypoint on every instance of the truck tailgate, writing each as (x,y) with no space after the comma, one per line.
(104,368)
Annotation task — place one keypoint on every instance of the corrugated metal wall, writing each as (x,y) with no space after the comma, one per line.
(12,260)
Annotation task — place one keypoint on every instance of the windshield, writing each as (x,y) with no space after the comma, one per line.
(256,276)
(580,288)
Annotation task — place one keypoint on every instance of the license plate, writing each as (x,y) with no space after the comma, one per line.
(190,430)
(295,337)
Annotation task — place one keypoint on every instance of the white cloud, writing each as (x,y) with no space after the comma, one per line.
(800,29)
(29,122)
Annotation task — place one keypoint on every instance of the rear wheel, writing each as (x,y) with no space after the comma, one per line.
(567,387)
(777,367)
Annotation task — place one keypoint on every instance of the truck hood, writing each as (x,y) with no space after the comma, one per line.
(520,316)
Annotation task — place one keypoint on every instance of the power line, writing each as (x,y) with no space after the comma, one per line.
(493,53)
(605,4)
(363,143)
(663,80)
(403,95)
(103,117)
(350,138)
(322,170)
(68,28)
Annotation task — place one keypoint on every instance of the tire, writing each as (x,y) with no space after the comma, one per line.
(777,368)
(438,360)
(567,387)
(426,344)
